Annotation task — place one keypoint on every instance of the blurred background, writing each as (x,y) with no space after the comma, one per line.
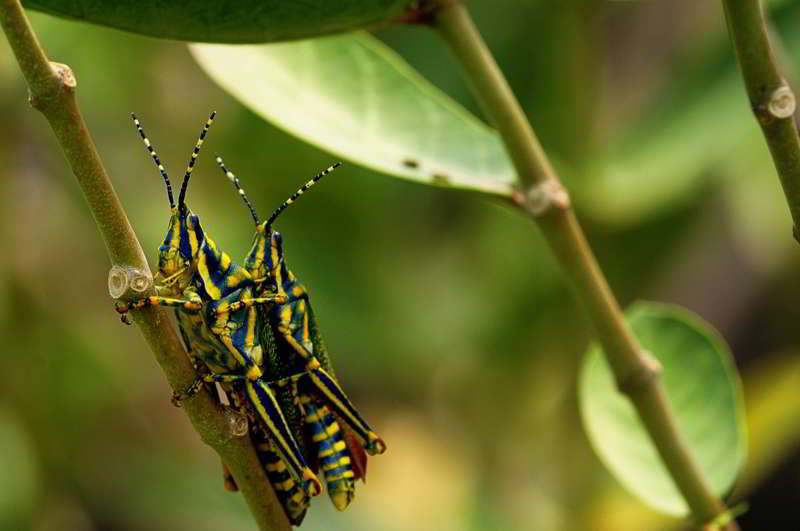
(448,320)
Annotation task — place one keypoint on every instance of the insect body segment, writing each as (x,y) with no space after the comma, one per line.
(331,452)
(206,288)
(295,500)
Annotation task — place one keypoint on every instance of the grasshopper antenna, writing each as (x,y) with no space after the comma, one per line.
(300,192)
(195,152)
(235,180)
(155,159)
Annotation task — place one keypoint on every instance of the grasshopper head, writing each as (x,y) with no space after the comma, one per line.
(266,255)
(177,256)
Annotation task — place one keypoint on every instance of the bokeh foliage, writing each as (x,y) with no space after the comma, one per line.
(446,315)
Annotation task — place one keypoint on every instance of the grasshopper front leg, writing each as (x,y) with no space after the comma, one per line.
(248,303)
(192,304)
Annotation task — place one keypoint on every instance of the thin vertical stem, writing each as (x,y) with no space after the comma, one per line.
(637,374)
(771,98)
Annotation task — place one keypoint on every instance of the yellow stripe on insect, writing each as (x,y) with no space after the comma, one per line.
(328,468)
(251,327)
(193,243)
(344,475)
(202,268)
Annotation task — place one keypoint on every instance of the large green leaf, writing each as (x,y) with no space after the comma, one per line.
(228,20)
(353,96)
(702,387)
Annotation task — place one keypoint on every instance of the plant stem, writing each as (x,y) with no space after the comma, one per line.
(771,99)
(635,371)
(52,91)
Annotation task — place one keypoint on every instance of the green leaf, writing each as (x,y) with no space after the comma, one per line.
(702,387)
(233,21)
(353,96)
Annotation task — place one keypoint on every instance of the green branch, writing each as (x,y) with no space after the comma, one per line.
(52,91)
(771,99)
(541,195)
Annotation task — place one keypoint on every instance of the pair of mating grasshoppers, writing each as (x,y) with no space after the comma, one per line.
(251,329)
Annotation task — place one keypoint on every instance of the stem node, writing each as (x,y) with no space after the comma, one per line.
(782,103)
(542,197)
(643,376)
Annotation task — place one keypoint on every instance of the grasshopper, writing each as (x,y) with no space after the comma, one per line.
(302,359)
(206,288)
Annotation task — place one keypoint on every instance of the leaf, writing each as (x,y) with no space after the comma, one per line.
(702,387)
(227,21)
(353,96)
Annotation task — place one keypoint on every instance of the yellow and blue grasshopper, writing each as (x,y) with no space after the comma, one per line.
(302,362)
(206,288)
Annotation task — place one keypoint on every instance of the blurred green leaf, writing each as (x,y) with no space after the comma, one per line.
(353,96)
(239,21)
(703,389)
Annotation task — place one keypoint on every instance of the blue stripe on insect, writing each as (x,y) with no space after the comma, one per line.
(185,245)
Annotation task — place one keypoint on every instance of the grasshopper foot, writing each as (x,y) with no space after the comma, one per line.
(178,398)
